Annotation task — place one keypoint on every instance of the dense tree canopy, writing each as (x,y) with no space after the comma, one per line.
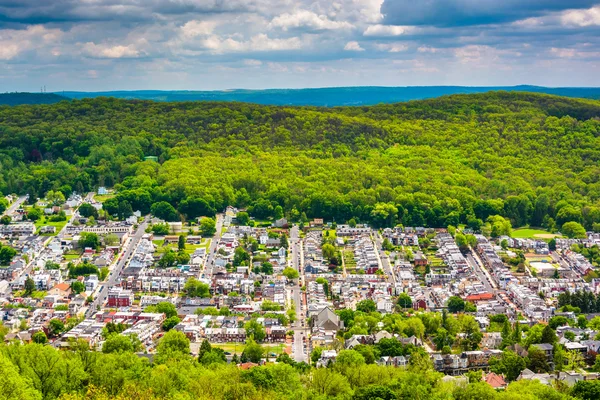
(530,158)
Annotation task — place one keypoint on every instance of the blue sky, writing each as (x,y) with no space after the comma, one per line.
(95,45)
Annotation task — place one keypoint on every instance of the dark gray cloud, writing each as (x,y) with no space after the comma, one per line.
(471,12)
(129,11)
(208,44)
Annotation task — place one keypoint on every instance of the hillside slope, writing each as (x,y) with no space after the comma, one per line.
(328,97)
(530,157)
(15,99)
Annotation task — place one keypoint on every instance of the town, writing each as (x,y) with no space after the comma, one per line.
(300,292)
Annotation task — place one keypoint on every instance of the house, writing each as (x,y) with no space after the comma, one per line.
(527,374)
(47,229)
(327,319)
(398,362)
(62,290)
(118,297)
(420,259)
(281,223)
(494,380)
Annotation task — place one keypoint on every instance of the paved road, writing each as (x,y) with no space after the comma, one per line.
(384,259)
(116,271)
(299,345)
(13,207)
(477,269)
(212,250)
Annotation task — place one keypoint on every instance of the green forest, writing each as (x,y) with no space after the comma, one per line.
(38,371)
(532,158)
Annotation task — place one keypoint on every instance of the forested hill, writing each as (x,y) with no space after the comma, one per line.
(458,159)
(329,97)
(13,99)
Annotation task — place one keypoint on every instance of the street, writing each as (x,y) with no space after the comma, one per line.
(212,250)
(116,271)
(301,332)
(14,206)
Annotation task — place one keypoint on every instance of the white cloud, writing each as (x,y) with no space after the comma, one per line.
(392,47)
(253,63)
(106,51)
(198,28)
(582,18)
(260,42)
(387,30)
(13,42)
(307,19)
(353,46)
(427,49)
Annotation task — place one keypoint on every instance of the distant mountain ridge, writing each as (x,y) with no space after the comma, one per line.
(15,99)
(323,97)
(329,97)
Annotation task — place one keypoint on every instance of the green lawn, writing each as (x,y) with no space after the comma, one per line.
(58,225)
(238,348)
(101,198)
(532,233)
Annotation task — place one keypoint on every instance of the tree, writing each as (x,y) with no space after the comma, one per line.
(253,352)
(116,343)
(110,239)
(14,384)
(329,252)
(164,211)
(164,307)
(510,364)
(170,323)
(574,360)
(7,253)
(208,227)
(39,337)
(455,304)
(87,210)
(366,306)
(195,288)
(404,301)
(537,360)
(34,214)
(56,327)
(89,240)
(573,230)
(5,220)
(255,330)
(181,243)
(548,335)
(586,390)
(55,198)
(172,345)
(242,218)
(291,273)
(348,360)
(193,208)
(78,287)
(29,286)
(266,268)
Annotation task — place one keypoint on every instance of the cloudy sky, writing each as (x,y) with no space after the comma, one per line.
(219,44)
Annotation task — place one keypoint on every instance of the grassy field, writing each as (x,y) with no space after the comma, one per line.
(238,348)
(101,198)
(532,233)
(58,225)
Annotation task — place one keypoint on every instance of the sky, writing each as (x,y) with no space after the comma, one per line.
(97,45)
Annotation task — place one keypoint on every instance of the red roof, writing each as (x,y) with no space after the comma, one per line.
(480,297)
(62,286)
(495,380)
(247,365)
